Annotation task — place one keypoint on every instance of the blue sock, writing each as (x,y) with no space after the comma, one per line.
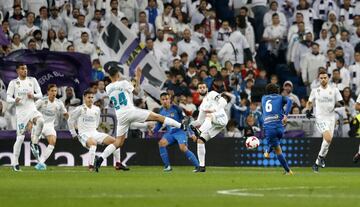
(190,156)
(164,156)
(283,162)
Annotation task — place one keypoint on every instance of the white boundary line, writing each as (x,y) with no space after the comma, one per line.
(252,192)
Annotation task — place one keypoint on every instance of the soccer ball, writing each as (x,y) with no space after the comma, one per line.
(252,142)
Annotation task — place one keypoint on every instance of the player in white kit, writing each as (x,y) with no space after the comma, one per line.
(325,98)
(87,118)
(23,91)
(50,107)
(212,119)
(120,93)
(357,108)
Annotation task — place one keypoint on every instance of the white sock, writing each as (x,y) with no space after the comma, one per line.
(201,154)
(206,125)
(17,148)
(108,150)
(92,152)
(38,129)
(117,154)
(46,154)
(323,150)
(171,122)
(359,149)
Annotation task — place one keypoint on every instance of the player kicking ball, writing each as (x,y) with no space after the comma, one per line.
(50,107)
(22,92)
(212,119)
(275,118)
(173,135)
(325,98)
(87,118)
(120,93)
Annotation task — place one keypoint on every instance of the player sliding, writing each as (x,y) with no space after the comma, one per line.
(325,98)
(121,96)
(211,121)
(23,91)
(173,135)
(87,117)
(275,118)
(50,107)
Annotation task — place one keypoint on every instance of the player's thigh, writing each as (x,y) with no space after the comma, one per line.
(180,137)
(90,142)
(84,137)
(271,136)
(220,118)
(108,140)
(214,130)
(100,137)
(138,115)
(51,139)
(48,130)
(22,121)
(35,114)
(325,126)
(170,139)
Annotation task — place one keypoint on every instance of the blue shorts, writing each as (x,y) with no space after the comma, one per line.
(178,136)
(273,136)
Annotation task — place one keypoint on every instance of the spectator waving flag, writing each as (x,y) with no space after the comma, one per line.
(120,46)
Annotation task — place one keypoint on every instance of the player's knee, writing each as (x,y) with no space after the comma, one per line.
(20,138)
(90,142)
(163,142)
(278,150)
(183,148)
(200,141)
(52,141)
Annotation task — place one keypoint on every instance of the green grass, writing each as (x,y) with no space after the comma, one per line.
(149,186)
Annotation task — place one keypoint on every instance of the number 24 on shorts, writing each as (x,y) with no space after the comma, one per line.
(122,101)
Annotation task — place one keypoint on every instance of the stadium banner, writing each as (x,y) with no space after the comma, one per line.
(219,152)
(62,68)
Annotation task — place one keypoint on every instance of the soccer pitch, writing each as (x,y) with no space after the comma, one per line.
(150,186)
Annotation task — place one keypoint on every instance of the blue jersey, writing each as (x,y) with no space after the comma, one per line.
(273,110)
(173,112)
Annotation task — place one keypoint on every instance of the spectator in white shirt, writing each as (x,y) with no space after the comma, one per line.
(160,42)
(56,21)
(40,42)
(76,31)
(347,47)
(336,80)
(222,35)
(274,9)
(323,41)
(16,43)
(26,30)
(160,57)
(274,35)
(86,47)
(142,28)
(35,5)
(165,21)
(311,63)
(355,74)
(293,29)
(96,25)
(129,8)
(187,45)
(200,38)
(235,50)
(344,72)
(61,43)
(42,21)
(17,19)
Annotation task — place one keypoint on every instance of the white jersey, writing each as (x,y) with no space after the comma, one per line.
(325,100)
(50,110)
(19,89)
(213,101)
(86,119)
(120,94)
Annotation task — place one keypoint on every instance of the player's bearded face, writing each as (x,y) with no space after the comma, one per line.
(324,79)
(202,89)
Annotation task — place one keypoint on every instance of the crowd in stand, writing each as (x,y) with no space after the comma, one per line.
(234,46)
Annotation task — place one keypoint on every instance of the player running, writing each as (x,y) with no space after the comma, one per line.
(212,119)
(274,118)
(23,91)
(173,135)
(50,107)
(87,118)
(325,98)
(121,96)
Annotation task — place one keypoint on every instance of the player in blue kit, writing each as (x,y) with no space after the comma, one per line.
(274,119)
(173,135)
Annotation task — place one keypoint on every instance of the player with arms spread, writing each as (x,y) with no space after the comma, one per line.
(212,119)
(274,118)
(325,98)
(23,91)
(121,96)
(50,107)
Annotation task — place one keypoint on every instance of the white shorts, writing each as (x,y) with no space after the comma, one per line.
(220,118)
(98,136)
(125,118)
(48,130)
(23,119)
(212,132)
(325,125)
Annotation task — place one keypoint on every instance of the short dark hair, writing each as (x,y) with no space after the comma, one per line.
(18,65)
(272,88)
(324,72)
(201,83)
(164,94)
(340,59)
(88,91)
(51,85)
(113,71)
